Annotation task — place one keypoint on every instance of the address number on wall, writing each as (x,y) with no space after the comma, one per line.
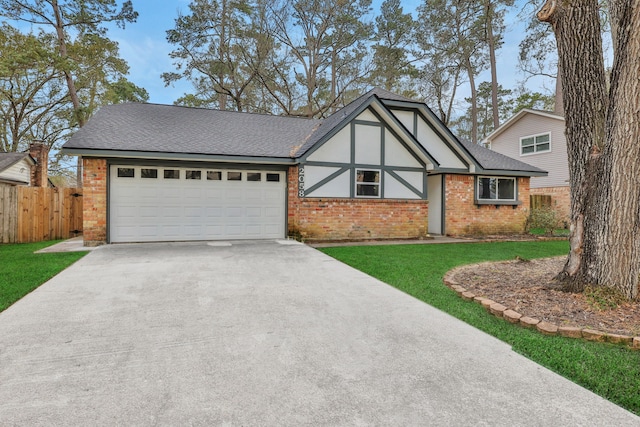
(301,181)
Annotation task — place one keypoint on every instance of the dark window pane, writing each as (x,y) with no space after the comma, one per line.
(367,190)
(487,188)
(171,174)
(540,139)
(234,176)
(368,176)
(125,172)
(254,176)
(527,150)
(543,147)
(214,175)
(273,177)
(194,175)
(148,173)
(506,189)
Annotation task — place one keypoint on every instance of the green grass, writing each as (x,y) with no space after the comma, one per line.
(21,271)
(563,232)
(611,371)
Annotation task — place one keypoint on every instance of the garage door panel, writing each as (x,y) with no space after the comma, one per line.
(169,211)
(211,208)
(193,211)
(214,212)
(148,212)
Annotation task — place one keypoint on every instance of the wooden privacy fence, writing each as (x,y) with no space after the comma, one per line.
(540,201)
(34,214)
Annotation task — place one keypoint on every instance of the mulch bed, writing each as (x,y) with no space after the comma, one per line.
(528,288)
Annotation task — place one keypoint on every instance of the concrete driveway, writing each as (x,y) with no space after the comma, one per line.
(260,333)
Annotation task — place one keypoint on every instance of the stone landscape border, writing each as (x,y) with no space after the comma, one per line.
(542,326)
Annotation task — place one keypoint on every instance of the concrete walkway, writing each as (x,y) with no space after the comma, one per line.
(260,333)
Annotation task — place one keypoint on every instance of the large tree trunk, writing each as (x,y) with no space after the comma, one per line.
(601,144)
(620,255)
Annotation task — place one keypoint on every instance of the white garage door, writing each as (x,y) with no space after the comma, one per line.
(150,204)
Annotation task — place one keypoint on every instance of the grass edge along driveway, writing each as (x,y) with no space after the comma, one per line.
(611,371)
(22,270)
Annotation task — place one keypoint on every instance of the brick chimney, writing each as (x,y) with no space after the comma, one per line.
(39,175)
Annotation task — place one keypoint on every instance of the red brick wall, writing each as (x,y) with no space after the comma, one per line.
(94,201)
(560,198)
(357,219)
(463,217)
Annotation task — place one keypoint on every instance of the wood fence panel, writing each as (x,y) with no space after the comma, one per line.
(48,213)
(8,214)
(539,201)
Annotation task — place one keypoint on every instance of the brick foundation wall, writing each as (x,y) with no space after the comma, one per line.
(94,201)
(463,217)
(353,219)
(560,198)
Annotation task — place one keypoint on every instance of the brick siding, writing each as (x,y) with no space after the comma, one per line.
(560,198)
(353,219)
(94,200)
(463,217)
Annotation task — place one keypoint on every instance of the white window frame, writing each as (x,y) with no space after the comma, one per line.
(536,144)
(368,183)
(497,199)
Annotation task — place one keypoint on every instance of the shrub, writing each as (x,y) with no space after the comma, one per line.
(545,218)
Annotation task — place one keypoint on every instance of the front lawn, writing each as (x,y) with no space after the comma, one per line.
(21,271)
(609,370)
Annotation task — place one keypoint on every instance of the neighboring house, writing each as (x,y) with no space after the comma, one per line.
(537,138)
(382,167)
(25,169)
(15,168)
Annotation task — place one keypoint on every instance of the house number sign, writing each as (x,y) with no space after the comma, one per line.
(301,181)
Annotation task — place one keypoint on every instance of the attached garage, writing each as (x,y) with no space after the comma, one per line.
(168,203)
(382,167)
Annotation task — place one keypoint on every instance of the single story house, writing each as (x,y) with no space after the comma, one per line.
(537,138)
(382,167)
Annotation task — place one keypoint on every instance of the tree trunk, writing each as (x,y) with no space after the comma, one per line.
(491,43)
(222,53)
(474,101)
(620,255)
(73,93)
(601,143)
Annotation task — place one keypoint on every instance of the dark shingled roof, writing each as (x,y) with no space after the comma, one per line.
(173,129)
(9,159)
(158,128)
(490,160)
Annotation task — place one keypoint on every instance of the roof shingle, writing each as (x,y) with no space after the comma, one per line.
(173,129)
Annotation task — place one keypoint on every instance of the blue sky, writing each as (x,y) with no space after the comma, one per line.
(143,45)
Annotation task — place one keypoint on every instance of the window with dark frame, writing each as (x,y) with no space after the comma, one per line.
(497,189)
(193,175)
(148,173)
(126,172)
(273,177)
(214,176)
(234,176)
(171,174)
(367,183)
(254,176)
